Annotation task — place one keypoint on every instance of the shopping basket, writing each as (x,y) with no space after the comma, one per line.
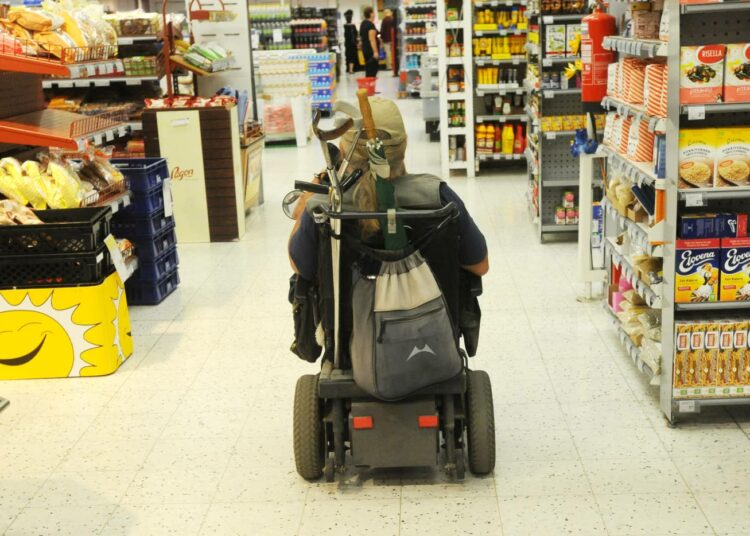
(367,83)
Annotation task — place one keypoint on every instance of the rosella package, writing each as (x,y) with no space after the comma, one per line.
(697,270)
(702,74)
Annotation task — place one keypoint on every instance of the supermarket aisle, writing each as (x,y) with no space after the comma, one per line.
(193,434)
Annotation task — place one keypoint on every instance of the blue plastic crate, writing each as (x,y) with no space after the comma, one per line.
(127,224)
(149,248)
(151,293)
(144,173)
(156,270)
(146,203)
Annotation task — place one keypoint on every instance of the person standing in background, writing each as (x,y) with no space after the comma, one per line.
(387,30)
(368,35)
(350,42)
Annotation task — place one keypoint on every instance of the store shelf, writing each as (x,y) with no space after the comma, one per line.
(549,61)
(499,90)
(551,135)
(552,228)
(641,236)
(712,306)
(130,40)
(532,48)
(718,7)
(639,172)
(500,156)
(501,118)
(642,48)
(555,19)
(116,202)
(499,32)
(632,350)
(457,131)
(100,81)
(458,165)
(455,61)
(57,128)
(655,124)
(454,25)
(700,196)
(456,96)
(552,93)
(487,60)
(422,37)
(651,294)
(559,183)
(700,111)
(50,66)
(497,3)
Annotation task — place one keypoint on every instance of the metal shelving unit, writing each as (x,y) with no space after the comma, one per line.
(418,15)
(690,25)
(557,171)
(460,28)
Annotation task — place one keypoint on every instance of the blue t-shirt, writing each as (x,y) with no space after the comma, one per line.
(472,247)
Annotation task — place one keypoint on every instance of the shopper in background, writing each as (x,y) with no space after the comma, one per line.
(303,242)
(350,42)
(368,35)
(387,35)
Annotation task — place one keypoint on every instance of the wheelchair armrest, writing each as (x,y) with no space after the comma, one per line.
(473,284)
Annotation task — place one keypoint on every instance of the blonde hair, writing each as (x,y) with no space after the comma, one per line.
(365,197)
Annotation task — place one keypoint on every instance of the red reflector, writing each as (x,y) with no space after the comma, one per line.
(428,421)
(362,423)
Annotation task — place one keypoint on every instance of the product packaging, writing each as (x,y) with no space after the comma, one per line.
(735,270)
(560,215)
(737,73)
(732,157)
(701,74)
(646,24)
(660,157)
(721,225)
(697,270)
(555,40)
(697,157)
(570,35)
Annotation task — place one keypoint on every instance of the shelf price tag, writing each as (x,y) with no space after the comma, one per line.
(694,200)
(278,37)
(696,113)
(551,135)
(547,62)
(548,94)
(548,19)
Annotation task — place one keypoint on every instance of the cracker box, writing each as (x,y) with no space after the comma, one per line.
(735,270)
(739,354)
(554,43)
(710,357)
(697,157)
(732,157)
(683,331)
(702,74)
(726,348)
(570,35)
(697,270)
(737,73)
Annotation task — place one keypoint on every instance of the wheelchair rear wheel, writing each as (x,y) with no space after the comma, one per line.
(480,423)
(309,446)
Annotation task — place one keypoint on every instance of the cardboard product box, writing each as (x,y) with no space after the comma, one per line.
(702,74)
(737,73)
(554,43)
(697,270)
(726,347)
(710,356)
(712,225)
(732,157)
(697,157)
(683,331)
(570,33)
(735,270)
(646,24)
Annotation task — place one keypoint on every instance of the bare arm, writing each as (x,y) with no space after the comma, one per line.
(480,269)
(373,35)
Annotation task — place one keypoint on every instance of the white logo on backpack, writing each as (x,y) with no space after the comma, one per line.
(424,350)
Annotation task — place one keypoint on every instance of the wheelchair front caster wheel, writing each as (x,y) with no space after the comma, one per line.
(329,471)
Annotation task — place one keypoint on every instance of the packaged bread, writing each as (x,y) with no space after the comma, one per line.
(60,45)
(17,214)
(9,189)
(31,190)
(36,20)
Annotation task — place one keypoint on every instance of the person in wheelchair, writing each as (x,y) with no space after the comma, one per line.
(412,191)
(388,320)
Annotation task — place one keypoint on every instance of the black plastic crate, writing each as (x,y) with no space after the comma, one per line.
(151,293)
(144,173)
(127,224)
(151,271)
(149,248)
(145,203)
(55,270)
(76,230)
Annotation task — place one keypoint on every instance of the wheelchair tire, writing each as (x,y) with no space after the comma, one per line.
(480,423)
(308,428)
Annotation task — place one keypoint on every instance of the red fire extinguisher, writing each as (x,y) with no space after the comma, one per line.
(594,58)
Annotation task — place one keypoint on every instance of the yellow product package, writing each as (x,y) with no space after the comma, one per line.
(697,157)
(710,356)
(726,347)
(737,369)
(735,269)
(9,189)
(682,349)
(697,270)
(732,157)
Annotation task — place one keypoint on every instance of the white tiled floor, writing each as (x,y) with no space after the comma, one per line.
(193,434)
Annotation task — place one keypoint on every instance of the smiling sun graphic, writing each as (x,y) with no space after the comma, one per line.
(64,332)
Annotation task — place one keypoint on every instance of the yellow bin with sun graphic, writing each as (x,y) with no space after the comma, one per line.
(64,332)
